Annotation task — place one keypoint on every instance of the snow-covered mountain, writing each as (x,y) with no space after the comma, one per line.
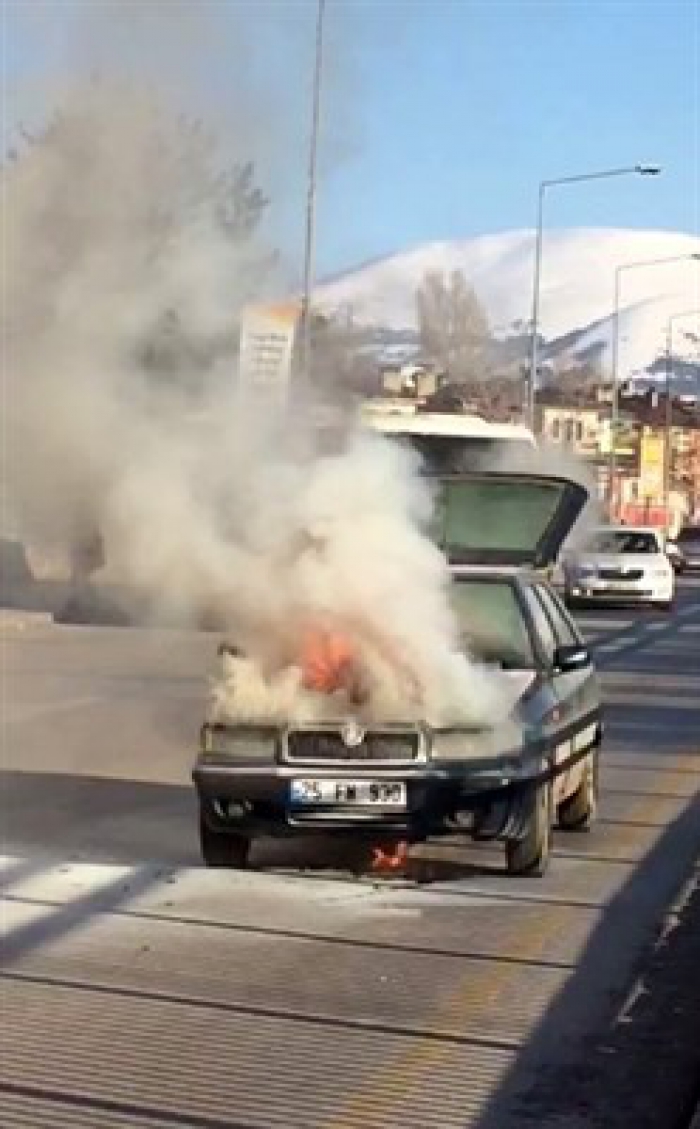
(577,289)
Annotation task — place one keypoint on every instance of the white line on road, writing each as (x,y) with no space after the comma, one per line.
(597,624)
(210,895)
(25,713)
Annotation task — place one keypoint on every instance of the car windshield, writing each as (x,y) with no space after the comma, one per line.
(623,541)
(491,622)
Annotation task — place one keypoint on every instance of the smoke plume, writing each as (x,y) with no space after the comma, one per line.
(128,254)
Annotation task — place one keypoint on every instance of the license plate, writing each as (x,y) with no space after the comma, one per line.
(349,793)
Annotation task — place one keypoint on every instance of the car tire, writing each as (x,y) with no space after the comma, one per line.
(529,855)
(578,811)
(223,848)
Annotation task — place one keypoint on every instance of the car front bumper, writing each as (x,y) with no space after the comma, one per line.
(643,591)
(487,798)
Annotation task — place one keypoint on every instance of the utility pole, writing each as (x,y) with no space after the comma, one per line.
(604,174)
(615,402)
(310,236)
(668,414)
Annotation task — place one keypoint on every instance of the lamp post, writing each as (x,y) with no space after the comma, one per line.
(615,397)
(668,414)
(639,170)
(310,234)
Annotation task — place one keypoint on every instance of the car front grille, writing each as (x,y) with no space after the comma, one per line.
(328,746)
(620,574)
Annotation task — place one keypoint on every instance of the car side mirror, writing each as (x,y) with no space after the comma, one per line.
(571,657)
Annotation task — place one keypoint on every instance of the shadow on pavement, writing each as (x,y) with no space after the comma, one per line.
(638,1071)
(131,822)
(98,819)
(642,1069)
(64,919)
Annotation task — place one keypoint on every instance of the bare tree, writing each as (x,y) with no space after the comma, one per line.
(121,202)
(341,364)
(185,183)
(453,327)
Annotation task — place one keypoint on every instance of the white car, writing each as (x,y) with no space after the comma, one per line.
(622,564)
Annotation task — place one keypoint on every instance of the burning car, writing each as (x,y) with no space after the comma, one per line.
(390,780)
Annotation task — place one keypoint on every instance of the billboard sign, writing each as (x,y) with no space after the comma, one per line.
(626,438)
(651,466)
(266,350)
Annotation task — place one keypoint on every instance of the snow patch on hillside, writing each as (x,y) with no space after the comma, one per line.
(577,291)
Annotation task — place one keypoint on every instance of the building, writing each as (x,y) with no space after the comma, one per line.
(645,472)
(413,381)
(579,426)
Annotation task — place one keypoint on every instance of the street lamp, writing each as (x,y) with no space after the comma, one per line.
(668,415)
(615,399)
(638,170)
(305,320)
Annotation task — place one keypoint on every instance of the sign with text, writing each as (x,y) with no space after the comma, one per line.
(651,466)
(266,349)
(626,438)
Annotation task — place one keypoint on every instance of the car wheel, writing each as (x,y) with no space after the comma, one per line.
(530,854)
(578,811)
(223,848)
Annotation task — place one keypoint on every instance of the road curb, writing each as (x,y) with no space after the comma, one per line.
(17,620)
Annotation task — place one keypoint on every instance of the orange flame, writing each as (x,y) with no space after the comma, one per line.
(327,661)
(390,860)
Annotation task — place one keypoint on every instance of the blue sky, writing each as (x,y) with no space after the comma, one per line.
(441,116)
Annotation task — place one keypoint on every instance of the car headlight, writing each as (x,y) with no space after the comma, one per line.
(250,743)
(455,744)
(585,570)
(465,744)
(660,574)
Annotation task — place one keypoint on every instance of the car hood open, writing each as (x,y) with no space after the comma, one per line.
(503,518)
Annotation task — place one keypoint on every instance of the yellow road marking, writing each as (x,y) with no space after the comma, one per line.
(392,1084)
(395,1080)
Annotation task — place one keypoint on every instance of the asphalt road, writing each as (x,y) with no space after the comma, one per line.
(139,989)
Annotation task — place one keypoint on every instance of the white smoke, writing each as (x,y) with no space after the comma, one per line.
(339,542)
(109,253)
(122,290)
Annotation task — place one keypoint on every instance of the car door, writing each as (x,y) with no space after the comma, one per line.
(578,689)
(556,708)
